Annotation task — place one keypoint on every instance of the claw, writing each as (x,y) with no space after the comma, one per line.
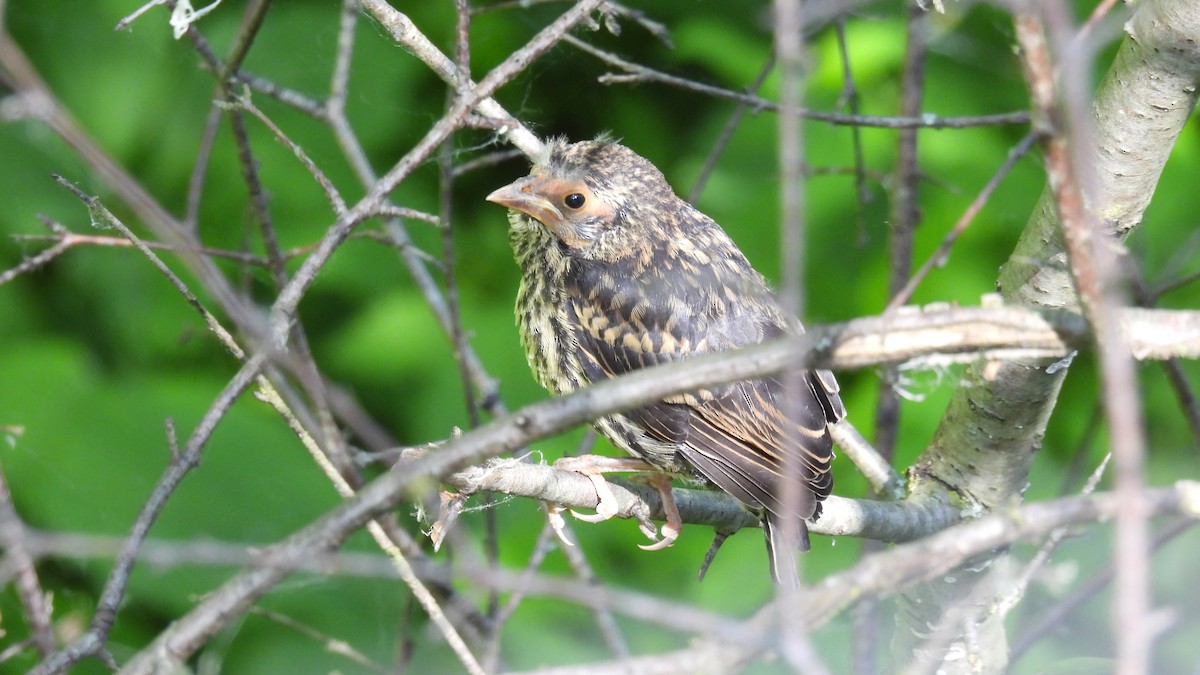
(593,467)
(589,517)
(668,539)
(558,523)
(674,524)
(648,528)
(606,501)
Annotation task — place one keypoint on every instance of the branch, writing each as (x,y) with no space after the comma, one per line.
(283,311)
(93,642)
(997,418)
(885,521)
(896,569)
(402,30)
(937,555)
(937,335)
(639,73)
(512,432)
(1094,271)
(18,564)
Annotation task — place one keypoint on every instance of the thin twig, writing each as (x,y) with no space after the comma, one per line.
(504,613)
(1099,12)
(905,216)
(1079,453)
(93,642)
(243,102)
(876,468)
(939,257)
(332,645)
(403,31)
(63,241)
(638,73)
(731,125)
(283,312)
(170,554)
(1012,595)
(795,644)
(1044,624)
(849,99)
(18,563)
(458,334)
(212,124)
(73,239)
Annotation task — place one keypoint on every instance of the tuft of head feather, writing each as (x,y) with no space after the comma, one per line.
(603,164)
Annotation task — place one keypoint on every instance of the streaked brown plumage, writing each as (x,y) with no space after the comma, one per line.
(618,273)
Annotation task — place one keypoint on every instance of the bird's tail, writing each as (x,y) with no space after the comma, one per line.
(783,540)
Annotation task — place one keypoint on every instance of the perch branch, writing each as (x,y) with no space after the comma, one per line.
(507,434)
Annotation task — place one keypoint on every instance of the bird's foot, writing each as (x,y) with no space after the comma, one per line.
(674,525)
(594,467)
(606,501)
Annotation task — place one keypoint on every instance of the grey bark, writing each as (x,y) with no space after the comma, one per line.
(981,454)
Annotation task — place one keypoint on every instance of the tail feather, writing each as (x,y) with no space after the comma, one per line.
(782,543)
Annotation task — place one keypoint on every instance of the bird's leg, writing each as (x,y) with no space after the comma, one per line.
(595,466)
(674,524)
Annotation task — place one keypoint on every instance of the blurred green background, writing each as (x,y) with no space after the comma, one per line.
(96,350)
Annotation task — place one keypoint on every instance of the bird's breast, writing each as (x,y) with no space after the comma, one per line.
(546,328)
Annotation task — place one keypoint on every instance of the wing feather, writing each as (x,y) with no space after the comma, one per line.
(742,437)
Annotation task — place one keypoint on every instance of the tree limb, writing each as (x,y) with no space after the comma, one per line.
(996,419)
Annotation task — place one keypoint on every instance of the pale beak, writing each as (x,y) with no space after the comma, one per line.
(520,196)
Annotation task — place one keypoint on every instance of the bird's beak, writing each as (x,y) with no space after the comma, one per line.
(520,195)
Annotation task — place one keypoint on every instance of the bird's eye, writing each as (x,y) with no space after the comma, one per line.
(575,200)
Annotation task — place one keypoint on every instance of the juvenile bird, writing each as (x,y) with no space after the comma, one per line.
(618,273)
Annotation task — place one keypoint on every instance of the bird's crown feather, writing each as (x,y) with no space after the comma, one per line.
(600,162)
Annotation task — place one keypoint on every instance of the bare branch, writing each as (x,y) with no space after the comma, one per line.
(18,563)
(953,512)
(405,32)
(283,311)
(1094,273)
(884,521)
(93,641)
(895,569)
(638,73)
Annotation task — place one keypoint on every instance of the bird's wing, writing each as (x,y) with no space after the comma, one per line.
(750,439)
(735,435)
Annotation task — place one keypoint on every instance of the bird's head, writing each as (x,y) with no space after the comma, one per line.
(591,196)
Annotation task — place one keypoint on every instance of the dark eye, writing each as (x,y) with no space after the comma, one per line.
(575,200)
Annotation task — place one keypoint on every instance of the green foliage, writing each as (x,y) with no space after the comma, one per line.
(97,350)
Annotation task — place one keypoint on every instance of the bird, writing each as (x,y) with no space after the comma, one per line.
(617,274)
